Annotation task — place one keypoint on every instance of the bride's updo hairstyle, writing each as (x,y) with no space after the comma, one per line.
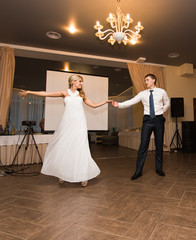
(73,78)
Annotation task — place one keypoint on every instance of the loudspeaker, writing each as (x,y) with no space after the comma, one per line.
(189,136)
(177,107)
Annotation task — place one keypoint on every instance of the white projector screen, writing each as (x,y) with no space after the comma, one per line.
(96,89)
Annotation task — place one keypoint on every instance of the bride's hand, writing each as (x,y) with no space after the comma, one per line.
(22,93)
(109,101)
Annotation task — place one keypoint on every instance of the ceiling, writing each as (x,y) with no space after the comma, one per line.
(168,28)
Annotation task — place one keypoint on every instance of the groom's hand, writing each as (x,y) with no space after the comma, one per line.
(114,103)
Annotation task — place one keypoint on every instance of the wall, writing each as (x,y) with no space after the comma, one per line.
(185,87)
(177,86)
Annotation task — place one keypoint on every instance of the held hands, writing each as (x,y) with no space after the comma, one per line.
(114,103)
(22,93)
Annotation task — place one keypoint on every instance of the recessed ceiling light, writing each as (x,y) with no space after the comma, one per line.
(173,55)
(53,35)
(72,29)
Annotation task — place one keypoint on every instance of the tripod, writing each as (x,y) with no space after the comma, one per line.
(178,145)
(28,133)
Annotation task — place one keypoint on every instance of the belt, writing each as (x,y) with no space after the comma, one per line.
(161,115)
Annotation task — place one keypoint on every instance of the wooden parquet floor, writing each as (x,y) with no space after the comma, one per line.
(111,207)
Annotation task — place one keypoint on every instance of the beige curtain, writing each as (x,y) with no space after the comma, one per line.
(7,67)
(137,73)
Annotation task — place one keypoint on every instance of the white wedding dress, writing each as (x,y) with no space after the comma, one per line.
(68,155)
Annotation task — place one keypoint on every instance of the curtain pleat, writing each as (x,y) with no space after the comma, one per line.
(7,68)
(139,71)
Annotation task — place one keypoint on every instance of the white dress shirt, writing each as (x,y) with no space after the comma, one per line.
(161,101)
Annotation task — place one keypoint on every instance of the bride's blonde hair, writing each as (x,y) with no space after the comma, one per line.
(73,78)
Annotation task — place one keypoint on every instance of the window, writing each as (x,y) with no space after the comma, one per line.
(29,109)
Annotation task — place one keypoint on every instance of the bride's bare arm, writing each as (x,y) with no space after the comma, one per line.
(23,93)
(95,105)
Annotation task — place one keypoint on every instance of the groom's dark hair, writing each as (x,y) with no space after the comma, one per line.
(152,76)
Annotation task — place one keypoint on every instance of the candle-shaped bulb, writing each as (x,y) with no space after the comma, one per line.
(97,23)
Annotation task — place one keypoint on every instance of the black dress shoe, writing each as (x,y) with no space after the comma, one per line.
(160,173)
(136,175)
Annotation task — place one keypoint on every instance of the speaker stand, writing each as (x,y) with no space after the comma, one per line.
(178,145)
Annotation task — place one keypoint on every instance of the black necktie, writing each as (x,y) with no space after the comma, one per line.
(152,114)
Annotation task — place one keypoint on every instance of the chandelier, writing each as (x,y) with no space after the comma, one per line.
(119,31)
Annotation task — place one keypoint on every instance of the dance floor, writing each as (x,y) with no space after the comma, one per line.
(111,207)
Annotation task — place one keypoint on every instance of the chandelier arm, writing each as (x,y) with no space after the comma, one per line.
(102,38)
(121,22)
(125,27)
(130,31)
(129,35)
(116,28)
(113,25)
(108,30)
(118,25)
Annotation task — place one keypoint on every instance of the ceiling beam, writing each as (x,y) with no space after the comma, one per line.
(49,54)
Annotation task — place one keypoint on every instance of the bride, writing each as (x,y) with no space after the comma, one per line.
(68,155)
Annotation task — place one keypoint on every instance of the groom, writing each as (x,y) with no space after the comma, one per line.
(156,102)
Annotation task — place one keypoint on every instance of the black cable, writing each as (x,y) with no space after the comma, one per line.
(26,174)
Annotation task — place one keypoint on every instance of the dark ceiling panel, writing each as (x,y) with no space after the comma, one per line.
(168,27)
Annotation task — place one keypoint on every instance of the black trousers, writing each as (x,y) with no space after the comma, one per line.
(150,125)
